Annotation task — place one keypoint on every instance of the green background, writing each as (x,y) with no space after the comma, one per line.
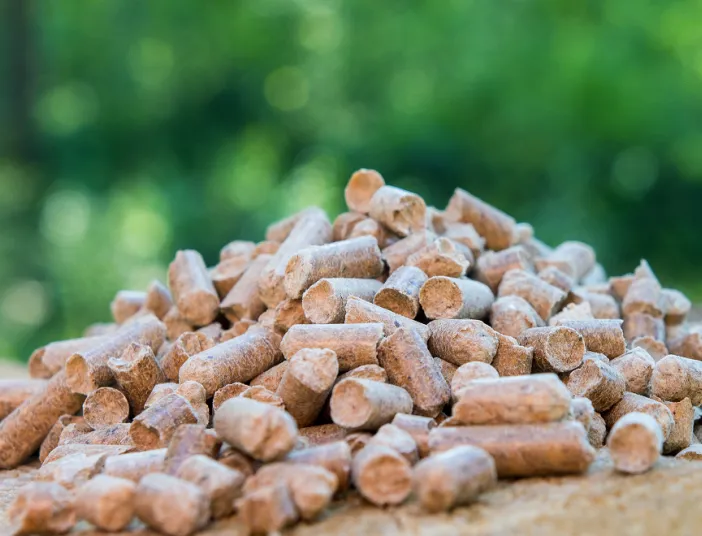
(131,129)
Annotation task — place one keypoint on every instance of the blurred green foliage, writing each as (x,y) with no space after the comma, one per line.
(131,129)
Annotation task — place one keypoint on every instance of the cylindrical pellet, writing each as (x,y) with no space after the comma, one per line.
(572,311)
(312,229)
(192,288)
(462,233)
(51,441)
(461,341)
(366,372)
(158,299)
(41,508)
(675,378)
(442,257)
(683,425)
(512,315)
(136,373)
(126,304)
(237,360)
(601,305)
(446,297)
(397,439)
(48,360)
(635,443)
(367,405)
(399,210)
(86,371)
(632,402)
(335,457)
(454,477)
(400,293)
(557,278)
(116,434)
(228,273)
(268,509)
(597,432)
(289,313)
(656,349)
(13,393)
(468,372)
(543,297)
(448,370)
(687,344)
(511,358)
(382,475)
(107,502)
(271,378)
(556,349)
(530,399)
(523,450)
(262,431)
(406,359)
(307,382)
(190,440)
(154,427)
(675,305)
(602,336)
(573,258)
(221,484)
(244,300)
(498,229)
(325,301)
(23,430)
(397,254)
(135,465)
(360,189)
(176,324)
(104,407)
(418,427)
(354,344)
(344,224)
(643,296)
(361,312)
(188,344)
(599,382)
(491,265)
(582,410)
(280,230)
(170,505)
(370,227)
(637,367)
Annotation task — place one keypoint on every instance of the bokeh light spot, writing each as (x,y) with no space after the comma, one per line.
(287,89)
(143,232)
(65,109)
(25,303)
(151,62)
(634,172)
(65,217)
(320,32)
(411,91)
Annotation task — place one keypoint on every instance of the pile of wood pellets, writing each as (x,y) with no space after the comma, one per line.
(404,352)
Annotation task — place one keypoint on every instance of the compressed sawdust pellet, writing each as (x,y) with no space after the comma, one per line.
(73,470)
(89,450)
(418,427)
(126,304)
(631,402)
(675,378)
(573,258)
(243,300)
(492,266)
(637,367)
(448,370)
(687,344)
(190,440)
(397,439)
(406,359)
(195,393)
(512,315)
(572,311)
(261,394)
(135,465)
(357,441)
(454,477)
(602,306)
(335,457)
(325,301)
(543,297)
(512,359)
(176,324)
(220,483)
(635,443)
(643,296)
(443,257)
(597,432)
(136,373)
(655,348)
(497,228)
(358,404)
(553,276)
(225,393)
(675,305)
(556,348)
(170,505)
(400,293)
(370,227)
(344,224)
(50,359)
(158,299)
(459,341)
(382,475)
(307,382)
(13,393)
(154,427)
(397,254)
(597,381)
(366,372)
(193,292)
(603,336)
(353,344)
(271,378)
(41,508)
(288,313)
(228,273)
(361,312)
(466,373)
(115,434)
(107,502)
(531,399)
(104,407)
(582,410)
(51,441)
(682,432)
(360,189)
(399,210)
(213,331)
(446,297)
(159,391)
(523,450)
(692,453)
(462,233)
(268,509)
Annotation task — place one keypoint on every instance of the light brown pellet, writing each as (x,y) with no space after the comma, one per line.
(88,370)
(523,450)
(135,465)
(446,297)
(176,324)
(213,331)
(244,299)
(557,278)
(312,229)
(238,328)
(643,296)
(511,358)
(13,393)
(73,470)
(370,227)
(126,304)
(396,255)
(170,505)
(154,427)
(399,210)
(406,359)
(448,370)
(466,373)
(344,223)
(237,360)
(23,430)
(322,434)
(637,367)
(682,432)
(675,305)
(262,431)
(221,484)
(188,344)
(543,297)
(354,344)
(195,393)
(335,457)
(512,315)
(530,399)
(582,410)
(442,257)
(688,344)
(190,440)
(267,509)
(325,301)
(115,434)
(361,312)
(599,382)
(89,450)
(602,336)
(50,359)
(367,405)
(261,394)
(641,325)
(52,439)
(492,266)
(382,475)
(366,372)
(692,453)
(597,432)
(675,378)
(271,378)
(228,273)
(104,407)
(107,502)
(266,247)
(278,231)
(573,258)
(360,189)
(237,248)
(136,372)
(632,402)
(556,349)
(572,311)
(357,441)
(460,341)
(307,382)
(418,427)
(498,229)
(289,313)
(454,477)
(397,439)
(655,348)
(635,443)
(400,293)
(232,458)
(601,305)
(225,393)
(192,288)
(464,233)
(41,508)
(159,391)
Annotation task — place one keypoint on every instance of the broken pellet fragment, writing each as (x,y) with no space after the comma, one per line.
(511,358)
(192,288)
(400,293)
(492,266)
(268,509)
(190,440)
(188,344)
(136,373)
(543,297)
(104,407)
(360,189)
(325,301)
(446,297)
(675,378)
(635,443)
(498,229)
(396,255)
(631,402)
(135,465)
(107,502)
(512,315)
(556,348)
(603,336)
(170,505)
(399,210)
(221,484)
(454,477)
(442,257)
(154,427)
(396,482)
(406,359)
(361,312)
(603,385)
(466,373)
(366,405)
(41,508)
(637,367)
